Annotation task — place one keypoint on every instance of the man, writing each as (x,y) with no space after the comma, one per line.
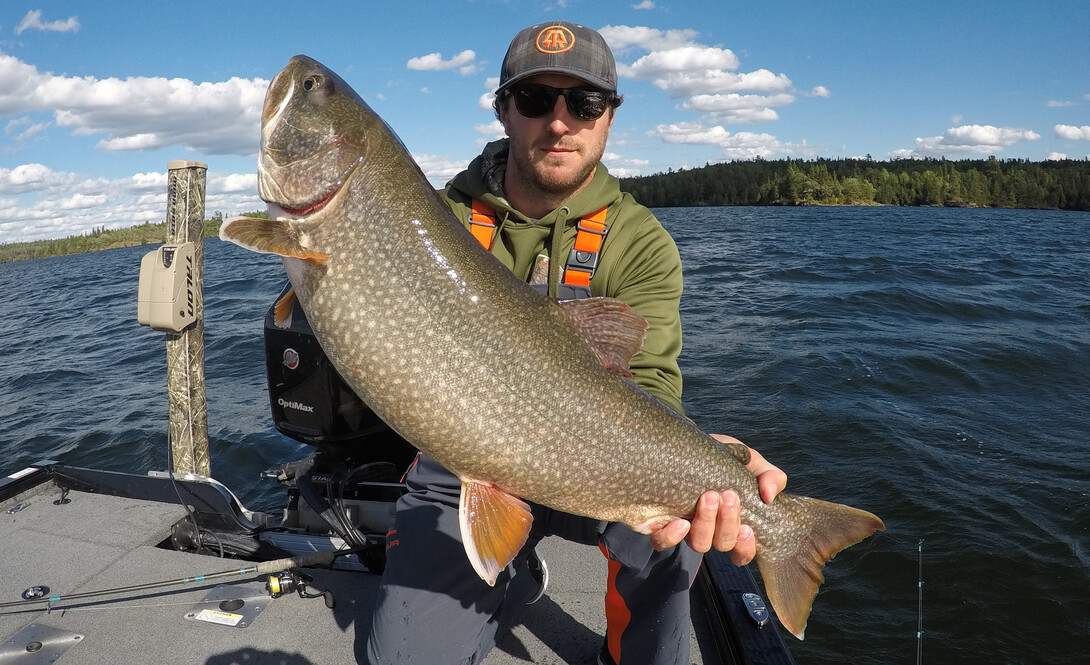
(526,199)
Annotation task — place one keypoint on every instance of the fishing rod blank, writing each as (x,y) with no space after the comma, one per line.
(261,568)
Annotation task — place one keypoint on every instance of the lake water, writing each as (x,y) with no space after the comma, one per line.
(929,365)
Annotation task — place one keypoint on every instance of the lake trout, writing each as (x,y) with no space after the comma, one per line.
(522,397)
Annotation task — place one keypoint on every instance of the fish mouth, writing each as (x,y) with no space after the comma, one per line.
(311,205)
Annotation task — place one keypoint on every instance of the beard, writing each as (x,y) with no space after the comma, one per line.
(557,181)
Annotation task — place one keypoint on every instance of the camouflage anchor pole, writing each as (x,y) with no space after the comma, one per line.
(185,350)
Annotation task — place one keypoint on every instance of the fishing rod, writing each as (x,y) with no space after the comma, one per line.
(262,568)
(919,611)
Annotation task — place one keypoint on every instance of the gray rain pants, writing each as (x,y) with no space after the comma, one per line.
(433,609)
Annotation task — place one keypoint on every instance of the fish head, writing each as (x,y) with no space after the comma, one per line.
(313,138)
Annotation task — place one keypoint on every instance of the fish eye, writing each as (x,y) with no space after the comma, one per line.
(312,83)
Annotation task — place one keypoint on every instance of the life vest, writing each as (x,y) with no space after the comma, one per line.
(590,233)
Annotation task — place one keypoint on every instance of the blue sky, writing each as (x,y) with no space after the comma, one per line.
(96,98)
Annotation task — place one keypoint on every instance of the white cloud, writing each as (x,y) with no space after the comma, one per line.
(31,131)
(967,140)
(737,146)
(33,21)
(819,91)
(745,116)
(657,65)
(1055,103)
(620,37)
(987,135)
(704,75)
(77,202)
(37,202)
(685,84)
(1072,133)
(141,113)
(902,153)
(484,102)
(25,178)
(646,4)
(493,130)
(464,62)
(623,167)
(1055,157)
(738,109)
(439,168)
(734,102)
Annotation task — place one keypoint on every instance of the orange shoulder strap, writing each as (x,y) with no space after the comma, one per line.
(590,233)
(583,259)
(482,223)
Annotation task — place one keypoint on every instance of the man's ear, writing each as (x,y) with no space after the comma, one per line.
(501,112)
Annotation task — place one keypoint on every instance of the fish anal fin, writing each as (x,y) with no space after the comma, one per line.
(268,237)
(283,308)
(613,329)
(494,525)
(791,565)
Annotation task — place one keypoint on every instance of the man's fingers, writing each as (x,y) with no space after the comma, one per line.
(705,520)
(669,535)
(728,521)
(745,547)
(770,479)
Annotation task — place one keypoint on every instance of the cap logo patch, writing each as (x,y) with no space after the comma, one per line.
(555,39)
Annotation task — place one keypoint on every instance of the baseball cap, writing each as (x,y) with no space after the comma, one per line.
(559,47)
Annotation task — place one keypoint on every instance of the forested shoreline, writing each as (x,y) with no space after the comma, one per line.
(978,183)
(984,183)
(98,239)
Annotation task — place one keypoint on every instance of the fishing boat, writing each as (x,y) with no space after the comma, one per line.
(108,567)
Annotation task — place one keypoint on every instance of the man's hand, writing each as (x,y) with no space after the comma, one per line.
(717,522)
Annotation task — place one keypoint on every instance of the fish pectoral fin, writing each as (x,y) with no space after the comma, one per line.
(268,237)
(494,527)
(613,329)
(814,531)
(283,308)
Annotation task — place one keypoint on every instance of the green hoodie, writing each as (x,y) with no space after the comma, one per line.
(639,262)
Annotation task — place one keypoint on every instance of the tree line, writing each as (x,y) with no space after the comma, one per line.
(98,239)
(988,183)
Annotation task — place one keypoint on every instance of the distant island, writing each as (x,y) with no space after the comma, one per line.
(979,183)
(101,238)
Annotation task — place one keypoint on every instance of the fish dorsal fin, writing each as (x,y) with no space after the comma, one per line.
(269,237)
(494,526)
(613,329)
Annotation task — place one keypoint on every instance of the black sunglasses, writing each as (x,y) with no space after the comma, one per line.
(534,100)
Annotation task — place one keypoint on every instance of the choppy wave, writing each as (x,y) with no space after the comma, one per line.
(930,365)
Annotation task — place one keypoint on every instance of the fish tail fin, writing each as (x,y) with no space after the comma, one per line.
(791,564)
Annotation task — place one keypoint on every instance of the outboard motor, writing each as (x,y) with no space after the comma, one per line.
(351,481)
(310,401)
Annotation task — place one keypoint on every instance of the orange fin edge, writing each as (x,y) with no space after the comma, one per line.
(494,526)
(283,308)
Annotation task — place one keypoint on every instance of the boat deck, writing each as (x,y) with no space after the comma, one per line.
(97,541)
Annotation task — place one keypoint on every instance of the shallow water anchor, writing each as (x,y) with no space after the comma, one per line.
(185,349)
